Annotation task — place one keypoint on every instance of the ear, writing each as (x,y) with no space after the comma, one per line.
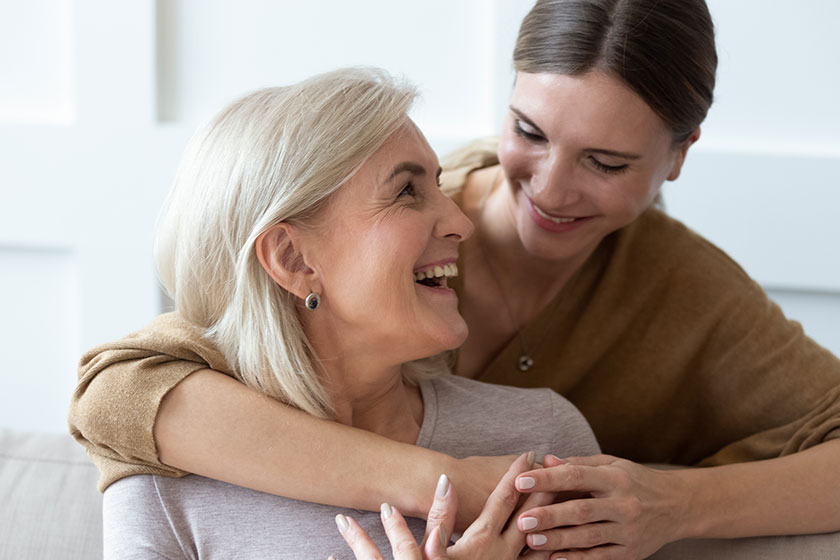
(682,150)
(279,250)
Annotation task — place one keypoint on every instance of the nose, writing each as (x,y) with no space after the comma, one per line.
(553,184)
(452,223)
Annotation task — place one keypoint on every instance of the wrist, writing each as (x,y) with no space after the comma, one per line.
(421,474)
(689,507)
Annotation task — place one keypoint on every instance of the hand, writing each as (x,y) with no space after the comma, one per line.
(629,511)
(487,538)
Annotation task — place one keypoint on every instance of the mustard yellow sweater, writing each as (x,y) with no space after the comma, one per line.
(669,349)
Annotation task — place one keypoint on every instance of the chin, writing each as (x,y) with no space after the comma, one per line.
(451,338)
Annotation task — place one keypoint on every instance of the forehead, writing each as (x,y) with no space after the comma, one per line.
(407,144)
(404,152)
(594,106)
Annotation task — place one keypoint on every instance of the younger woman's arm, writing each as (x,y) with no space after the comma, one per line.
(159,401)
(212,425)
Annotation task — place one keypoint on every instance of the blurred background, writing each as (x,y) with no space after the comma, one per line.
(97,99)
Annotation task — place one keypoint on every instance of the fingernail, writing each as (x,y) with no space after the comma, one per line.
(538,540)
(559,460)
(531,458)
(331,558)
(526,482)
(442,534)
(386,511)
(342,523)
(528,523)
(442,486)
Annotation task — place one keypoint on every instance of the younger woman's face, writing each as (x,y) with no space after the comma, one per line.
(583,157)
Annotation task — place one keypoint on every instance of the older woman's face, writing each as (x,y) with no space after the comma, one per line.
(386,225)
(583,156)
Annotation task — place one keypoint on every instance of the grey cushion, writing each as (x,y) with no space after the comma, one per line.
(49,505)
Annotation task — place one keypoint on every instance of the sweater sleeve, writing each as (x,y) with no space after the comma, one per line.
(748,383)
(121,386)
(770,387)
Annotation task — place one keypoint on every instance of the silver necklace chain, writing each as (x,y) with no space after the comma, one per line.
(526,355)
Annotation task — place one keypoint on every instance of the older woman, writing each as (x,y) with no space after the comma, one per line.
(575,281)
(306,238)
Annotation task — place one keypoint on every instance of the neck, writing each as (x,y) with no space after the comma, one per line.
(373,397)
(520,274)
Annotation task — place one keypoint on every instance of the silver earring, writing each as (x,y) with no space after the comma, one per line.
(312,301)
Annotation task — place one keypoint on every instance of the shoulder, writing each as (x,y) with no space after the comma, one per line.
(457,165)
(127,533)
(658,238)
(482,419)
(659,255)
(167,336)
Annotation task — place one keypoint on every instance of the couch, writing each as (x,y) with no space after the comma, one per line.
(49,505)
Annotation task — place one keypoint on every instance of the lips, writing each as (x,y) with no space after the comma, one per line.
(555,219)
(554,223)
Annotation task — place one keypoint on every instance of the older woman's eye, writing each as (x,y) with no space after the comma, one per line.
(613,169)
(407,190)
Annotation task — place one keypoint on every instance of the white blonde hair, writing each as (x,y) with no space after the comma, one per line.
(273,156)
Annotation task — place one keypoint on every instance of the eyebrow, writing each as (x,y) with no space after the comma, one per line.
(411,167)
(604,151)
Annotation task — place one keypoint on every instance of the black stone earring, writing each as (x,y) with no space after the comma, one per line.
(312,301)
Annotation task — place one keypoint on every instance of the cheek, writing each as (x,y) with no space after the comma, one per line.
(631,198)
(379,267)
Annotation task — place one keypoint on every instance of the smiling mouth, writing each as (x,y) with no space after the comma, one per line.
(551,218)
(436,276)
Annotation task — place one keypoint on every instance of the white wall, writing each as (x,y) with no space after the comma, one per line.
(97,99)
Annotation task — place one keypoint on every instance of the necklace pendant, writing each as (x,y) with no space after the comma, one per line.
(525,362)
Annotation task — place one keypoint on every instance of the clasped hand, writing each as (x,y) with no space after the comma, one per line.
(489,536)
(579,508)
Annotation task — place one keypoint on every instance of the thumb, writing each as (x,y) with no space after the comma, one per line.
(435,547)
(443,511)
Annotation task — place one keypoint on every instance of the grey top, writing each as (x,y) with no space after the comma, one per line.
(150,516)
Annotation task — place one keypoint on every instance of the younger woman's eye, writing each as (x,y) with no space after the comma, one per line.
(612,169)
(407,190)
(526,131)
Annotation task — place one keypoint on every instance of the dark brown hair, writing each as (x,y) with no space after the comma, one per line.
(664,50)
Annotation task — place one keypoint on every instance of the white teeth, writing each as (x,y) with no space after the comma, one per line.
(447,270)
(552,218)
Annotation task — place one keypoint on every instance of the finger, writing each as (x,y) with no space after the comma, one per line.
(536,554)
(502,500)
(591,460)
(435,546)
(552,461)
(567,478)
(403,545)
(608,552)
(579,512)
(584,536)
(513,536)
(444,509)
(357,538)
